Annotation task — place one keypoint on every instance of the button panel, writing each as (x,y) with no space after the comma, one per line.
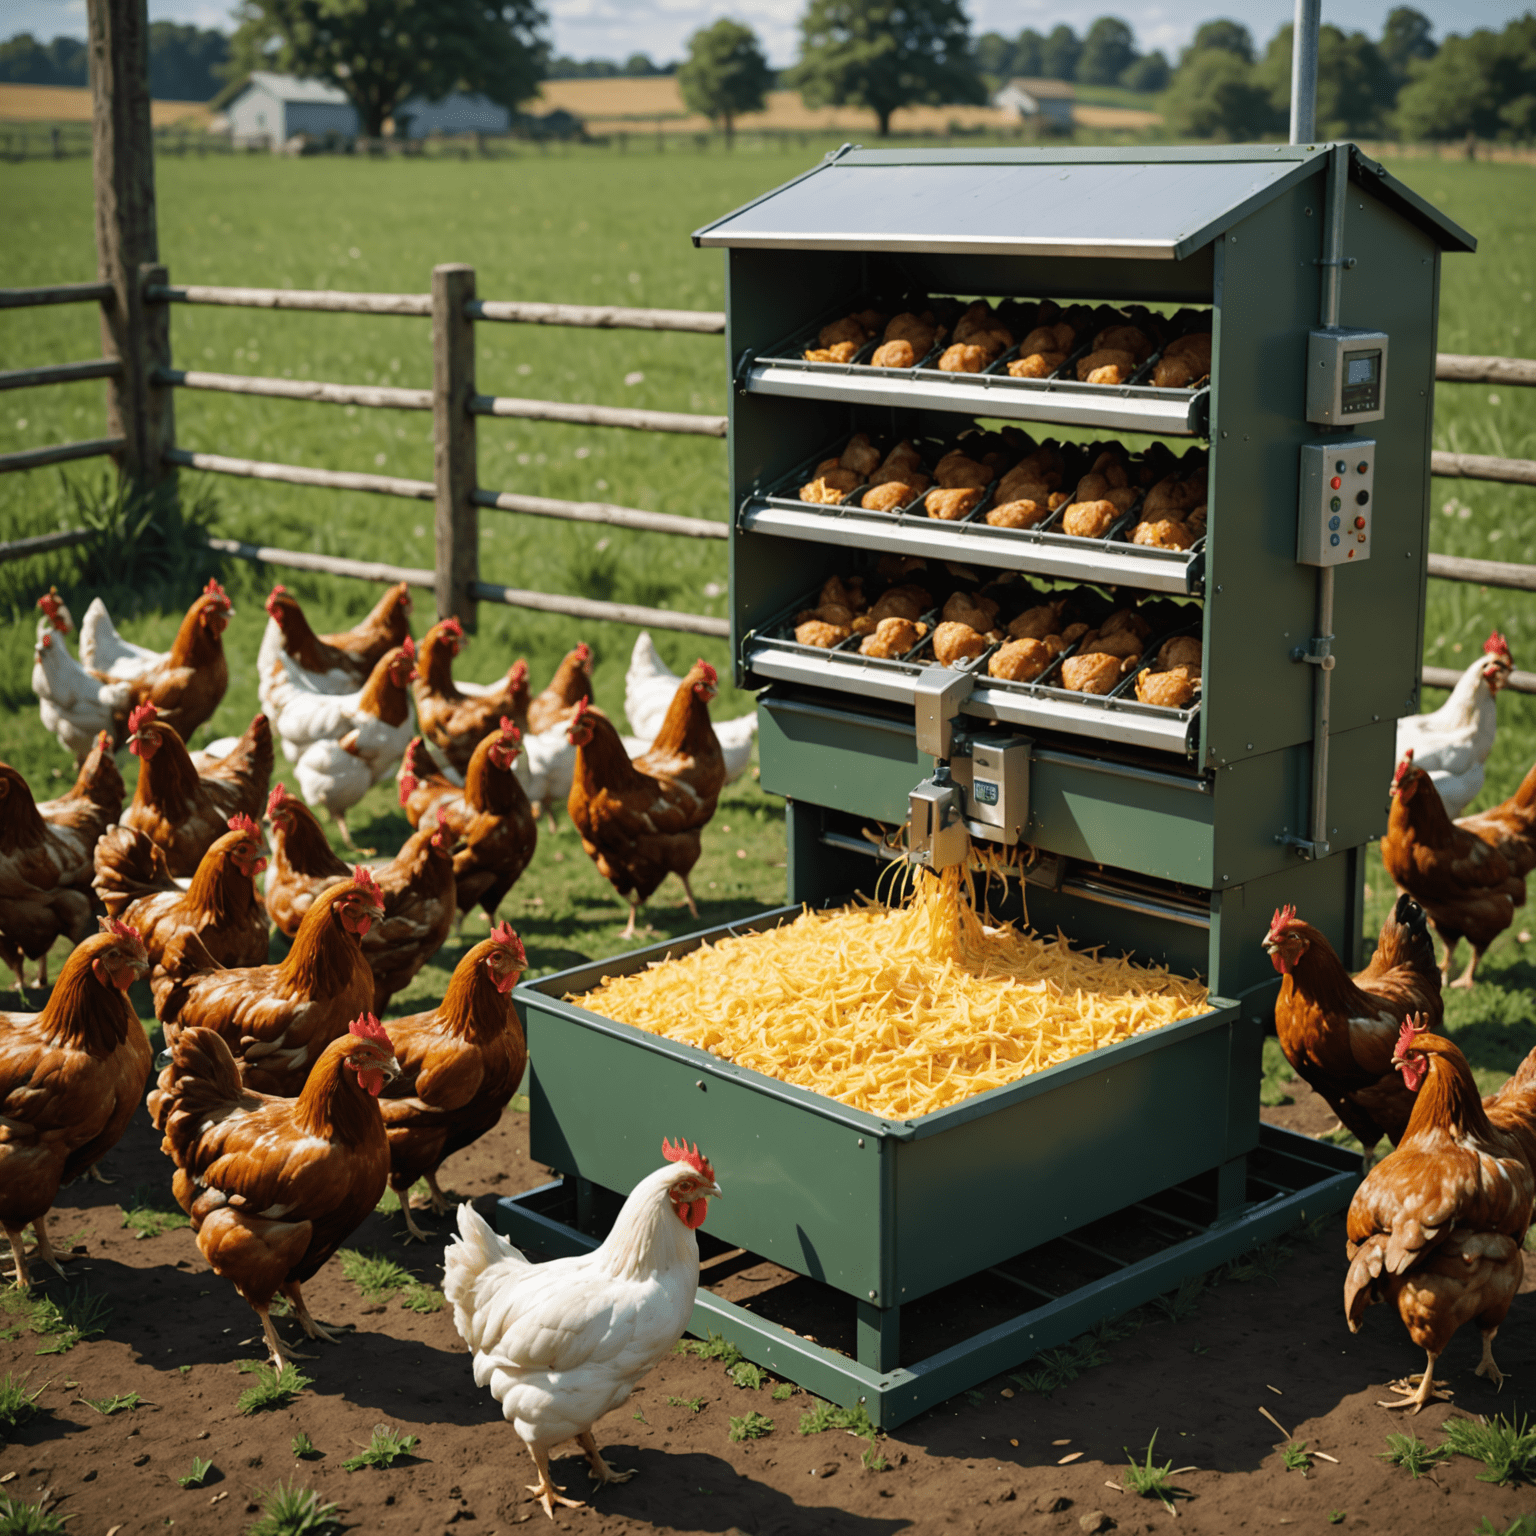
(1334,475)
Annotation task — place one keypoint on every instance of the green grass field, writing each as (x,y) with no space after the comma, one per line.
(590,226)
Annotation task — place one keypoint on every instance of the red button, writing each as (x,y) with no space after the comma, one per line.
(1335,482)
(1359,522)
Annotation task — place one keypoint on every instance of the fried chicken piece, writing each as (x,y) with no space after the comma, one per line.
(1126,621)
(842,352)
(819,633)
(1097,487)
(967,357)
(847,594)
(1097,673)
(920,330)
(1027,486)
(1020,661)
(955,642)
(1050,338)
(1175,495)
(979,612)
(1037,622)
(1184,362)
(1018,514)
(860,456)
(1089,519)
(906,602)
(893,638)
(892,495)
(1181,651)
(892,567)
(1124,338)
(1173,689)
(830,488)
(1106,366)
(870,319)
(958,469)
(895,354)
(978,319)
(844,330)
(1073,632)
(951,504)
(1043,467)
(1121,643)
(1036,365)
(1165,533)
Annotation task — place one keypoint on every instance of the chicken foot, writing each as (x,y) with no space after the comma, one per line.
(307,1322)
(629,928)
(412,1231)
(1418,1391)
(96,1176)
(281,1353)
(22,1277)
(439,1201)
(45,1248)
(546,1490)
(693,906)
(1466,977)
(1487,1366)
(601,1473)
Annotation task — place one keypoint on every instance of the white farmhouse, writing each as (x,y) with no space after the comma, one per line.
(1047,103)
(276,107)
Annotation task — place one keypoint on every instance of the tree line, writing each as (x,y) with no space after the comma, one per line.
(878,55)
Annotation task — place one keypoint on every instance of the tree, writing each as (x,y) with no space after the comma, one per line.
(1108,51)
(1213,95)
(1355,89)
(25,61)
(994,56)
(641,66)
(1407,35)
(185,63)
(885,54)
(725,74)
(1150,72)
(1059,54)
(381,52)
(1483,85)
(1029,55)
(1228,36)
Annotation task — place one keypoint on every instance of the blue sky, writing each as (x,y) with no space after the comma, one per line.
(617,28)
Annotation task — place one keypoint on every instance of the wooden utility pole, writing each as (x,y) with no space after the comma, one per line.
(127,244)
(454,469)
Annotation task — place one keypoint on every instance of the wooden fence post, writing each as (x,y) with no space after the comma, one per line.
(123,154)
(453,442)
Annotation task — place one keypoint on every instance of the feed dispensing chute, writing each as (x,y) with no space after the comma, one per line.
(1032,569)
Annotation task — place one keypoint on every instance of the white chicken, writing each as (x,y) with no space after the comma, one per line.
(649,688)
(102,649)
(561,1344)
(270,670)
(1453,742)
(74,705)
(343,744)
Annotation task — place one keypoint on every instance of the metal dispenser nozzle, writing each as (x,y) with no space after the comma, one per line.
(938,835)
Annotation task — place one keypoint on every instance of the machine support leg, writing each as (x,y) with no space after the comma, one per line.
(1231,1186)
(586,1204)
(879,1336)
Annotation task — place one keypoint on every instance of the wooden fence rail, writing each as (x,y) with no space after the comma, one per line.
(330,300)
(57,293)
(41,543)
(1483,466)
(378,396)
(60,373)
(1458,368)
(298,474)
(59,453)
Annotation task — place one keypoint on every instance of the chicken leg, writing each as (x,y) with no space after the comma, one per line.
(1428,1390)
(412,1231)
(546,1491)
(1466,977)
(45,1248)
(439,1201)
(281,1354)
(307,1322)
(601,1472)
(693,906)
(629,928)
(22,1277)
(1487,1366)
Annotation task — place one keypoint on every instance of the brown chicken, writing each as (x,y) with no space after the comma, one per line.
(45,858)
(1338,1032)
(70,1078)
(279,1018)
(186,683)
(303,863)
(460,1064)
(221,906)
(491,815)
(1436,1229)
(571,684)
(456,718)
(686,747)
(274,1186)
(635,827)
(352,652)
(184,800)
(1467,886)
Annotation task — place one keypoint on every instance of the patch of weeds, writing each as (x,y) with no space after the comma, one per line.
(1294,1458)
(692,1404)
(1337,1516)
(1180,1305)
(873,1461)
(304,1448)
(520,1103)
(383,1450)
(375,1274)
(1264,1263)
(18,1518)
(1524,1525)
(151,1212)
(420,1297)
(745,1374)
(118,1402)
(784,1391)
(751,1426)
(822,1416)
(638,1415)
(713,1348)
(201,1467)
(17,1405)
(186,1370)
(273,1389)
(1053,1368)
(288,1510)
(75,1314)
(974,1398)
(1413,1455)
(1115,1329)
(1149,1481)
(1506,1446)
(389,1205)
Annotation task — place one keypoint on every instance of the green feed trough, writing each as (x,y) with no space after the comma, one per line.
(1166,833)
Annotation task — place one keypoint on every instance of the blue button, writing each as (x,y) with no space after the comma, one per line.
(1333,538)
(1333,522)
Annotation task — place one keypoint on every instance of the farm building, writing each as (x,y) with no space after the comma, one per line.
(1046,102)
(457,112)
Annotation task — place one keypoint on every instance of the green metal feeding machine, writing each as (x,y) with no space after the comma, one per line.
(1171,834)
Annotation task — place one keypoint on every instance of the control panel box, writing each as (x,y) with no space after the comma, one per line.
(1338,487)
(994,777)
(1346,376)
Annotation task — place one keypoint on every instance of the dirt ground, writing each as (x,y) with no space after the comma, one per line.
(983,1462)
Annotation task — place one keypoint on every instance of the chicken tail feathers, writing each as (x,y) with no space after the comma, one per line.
(186,955)
(477,1247)
(1362,1283)
(129,865)
(202,1083)
(1405,940)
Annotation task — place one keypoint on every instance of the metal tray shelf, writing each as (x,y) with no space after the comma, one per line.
(1111,560)
(773,652)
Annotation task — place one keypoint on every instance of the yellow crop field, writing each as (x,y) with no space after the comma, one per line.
(72,104)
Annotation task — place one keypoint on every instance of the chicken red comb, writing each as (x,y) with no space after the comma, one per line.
(366,1027)
(710,675)
(144,714)
(519,673)
(1496,645)
(276,800)
(278,587)
(1283,918)
(452,626)
(509,729)
(121,930)
(408,647)
(51,604)
(407,776)
(240,822)
(503,935)
(362,878)
(213,589)
(577,716)
(583,652)
(1403,766)
(1413,1027)
(683,1153)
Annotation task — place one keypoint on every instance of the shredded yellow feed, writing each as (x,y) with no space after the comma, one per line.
(897,1010)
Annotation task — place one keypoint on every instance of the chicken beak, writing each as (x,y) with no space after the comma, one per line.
(392,1068)
(714,1192)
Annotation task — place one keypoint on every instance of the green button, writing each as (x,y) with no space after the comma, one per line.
(1335,504)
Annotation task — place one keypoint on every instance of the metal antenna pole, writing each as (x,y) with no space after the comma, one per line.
(1304,71)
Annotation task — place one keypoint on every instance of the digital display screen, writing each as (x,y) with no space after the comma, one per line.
(1360,367)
